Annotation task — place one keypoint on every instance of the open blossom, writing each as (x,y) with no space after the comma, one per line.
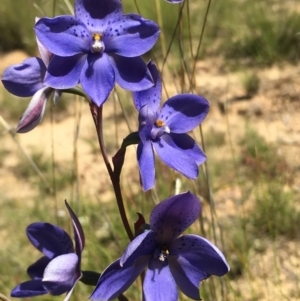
(98,47)
(58,270)
(172,260)
(27,79)
(164,130)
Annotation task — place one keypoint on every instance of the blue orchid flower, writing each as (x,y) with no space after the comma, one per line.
(58,271)
(27,79)
(172,260)
(98,47)
(164,130)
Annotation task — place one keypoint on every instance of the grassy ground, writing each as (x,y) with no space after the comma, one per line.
(251,190)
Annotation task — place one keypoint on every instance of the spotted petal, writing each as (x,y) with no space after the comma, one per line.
(34,113)
(200,253)
(193,259)
(63,35)
(130,35)
(182,113)
(159,285)
(96,14)
(49,239)
(172,216)
(150,97)
(24,79)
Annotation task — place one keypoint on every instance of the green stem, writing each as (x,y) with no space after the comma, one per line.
(200,43)
(173,37)
(53,8)
(75,91)
(161,24)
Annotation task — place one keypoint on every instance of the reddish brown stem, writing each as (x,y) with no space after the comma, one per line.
(114,177)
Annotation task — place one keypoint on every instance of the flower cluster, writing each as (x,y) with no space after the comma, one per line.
(90,52)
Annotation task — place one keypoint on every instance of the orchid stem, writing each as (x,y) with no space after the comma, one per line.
(114,177)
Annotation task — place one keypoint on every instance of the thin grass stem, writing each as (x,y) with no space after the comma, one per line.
(199,44)
(12,133)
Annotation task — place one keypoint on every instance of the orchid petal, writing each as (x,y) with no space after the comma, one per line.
(182,113)
(34,113)
(159,285)
(173,216)
(36,270)
(24,79)
(63,35)
(61,273)
(78,231)
(49,239)
(96,14)
(143,245)
(187,277)
(187,145)
(200,253)
(150,97)
(116,279)
(146,121)
(145,156)
(64,72)
(45,54)
(130,35)
(175,158)
(131,73)
(29,288)
(98,77)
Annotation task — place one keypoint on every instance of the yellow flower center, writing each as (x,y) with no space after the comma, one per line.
(159,123)
(97,45)
(97,37)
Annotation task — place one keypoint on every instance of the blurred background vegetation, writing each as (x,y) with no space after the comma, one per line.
(249,188)
(250,32)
